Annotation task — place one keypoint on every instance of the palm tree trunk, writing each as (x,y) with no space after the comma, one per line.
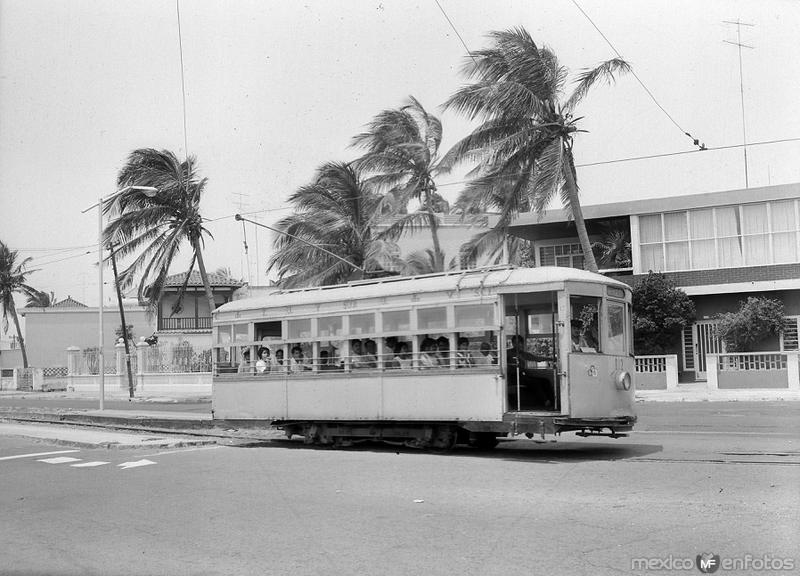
(13,310)
(577,213)
(204,277)
(434,224)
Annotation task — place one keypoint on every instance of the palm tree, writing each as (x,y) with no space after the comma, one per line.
(338,213)
(524,145)
(41,299)
(402,157)
(157,227)
(13,277)
(613,250)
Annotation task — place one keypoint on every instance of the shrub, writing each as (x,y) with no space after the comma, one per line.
(660,312)
(758,318)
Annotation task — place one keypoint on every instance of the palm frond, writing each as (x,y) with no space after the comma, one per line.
(603,72)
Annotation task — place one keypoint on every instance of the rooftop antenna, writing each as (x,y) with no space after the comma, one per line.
(738,43)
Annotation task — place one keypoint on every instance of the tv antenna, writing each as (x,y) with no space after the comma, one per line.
(738,23)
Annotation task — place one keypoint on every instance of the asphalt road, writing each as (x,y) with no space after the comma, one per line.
(591,506)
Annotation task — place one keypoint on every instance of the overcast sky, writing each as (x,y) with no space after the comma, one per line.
(276,88)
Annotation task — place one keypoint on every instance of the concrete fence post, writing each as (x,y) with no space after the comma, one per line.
(141,362)
(712,366)
(672,372)
(793,370)
(15,379)
(122,370)
(73,357)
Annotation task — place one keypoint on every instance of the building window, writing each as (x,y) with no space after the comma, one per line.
(565,255)
(724,237)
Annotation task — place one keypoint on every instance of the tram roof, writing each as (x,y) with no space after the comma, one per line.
(443,282)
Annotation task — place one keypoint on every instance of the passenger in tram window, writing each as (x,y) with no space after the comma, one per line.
(582,340)
(428,357)
(325,362)
(297,363)
(370,353)
(357,359)
(280,365)
(443,350)
(464,357)
(403,358)
(485,356)
(264,362)
(244,365)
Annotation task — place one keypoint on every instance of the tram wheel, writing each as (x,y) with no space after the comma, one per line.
(483,441)
(443,439)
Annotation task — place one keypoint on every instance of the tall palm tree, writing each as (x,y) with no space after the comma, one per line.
(338,213)
(157,227)
(524,144)
(13,278)
(402,157)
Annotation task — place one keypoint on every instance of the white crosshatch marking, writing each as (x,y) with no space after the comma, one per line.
(136,464)
(59,460)
(88,464)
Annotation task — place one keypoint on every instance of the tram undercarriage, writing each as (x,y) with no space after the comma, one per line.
(440,436)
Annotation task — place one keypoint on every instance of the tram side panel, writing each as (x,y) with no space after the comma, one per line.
(258,399)
(447,396)
(594,390)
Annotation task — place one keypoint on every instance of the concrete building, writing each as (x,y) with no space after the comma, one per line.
(718,247)
(49,331)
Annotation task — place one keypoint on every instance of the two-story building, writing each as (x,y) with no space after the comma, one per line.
(718,247)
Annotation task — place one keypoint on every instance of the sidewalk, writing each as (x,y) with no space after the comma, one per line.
(99,437)
(699,392)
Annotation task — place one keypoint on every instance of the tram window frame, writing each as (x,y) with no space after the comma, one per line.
(576,322)
(620,345)
(326,329)
(461,322)
(434,324)
(272,330)
(351,333)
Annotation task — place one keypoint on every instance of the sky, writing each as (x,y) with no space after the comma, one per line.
(274,89)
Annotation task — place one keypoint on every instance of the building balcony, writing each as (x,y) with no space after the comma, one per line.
(178,324)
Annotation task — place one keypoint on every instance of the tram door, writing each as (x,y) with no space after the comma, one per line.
(531,351)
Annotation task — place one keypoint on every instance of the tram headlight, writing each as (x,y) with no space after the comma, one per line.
(624,380)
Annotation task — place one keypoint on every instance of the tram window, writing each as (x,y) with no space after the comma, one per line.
(362,323)
(434,351)
(269,330)
(475,348)
(299,328)
(396,321)
(397,353)
(330,326)
(329,357)
(468,315)
(298,360)
(585,324)
(432,318)
(241,332)
(616,327)
(224,334)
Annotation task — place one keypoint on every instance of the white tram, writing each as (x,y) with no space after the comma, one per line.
(466,356)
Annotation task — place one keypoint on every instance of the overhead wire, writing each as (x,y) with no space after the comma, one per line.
(695,141)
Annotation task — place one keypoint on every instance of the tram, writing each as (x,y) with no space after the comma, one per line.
(430,361)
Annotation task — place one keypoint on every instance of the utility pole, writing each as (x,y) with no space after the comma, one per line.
(738,43)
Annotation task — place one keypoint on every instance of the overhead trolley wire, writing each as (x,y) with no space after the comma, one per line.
(695,141)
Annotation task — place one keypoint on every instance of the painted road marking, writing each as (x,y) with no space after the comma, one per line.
(37,454)
(60,460)
(137,464)
(88,464)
